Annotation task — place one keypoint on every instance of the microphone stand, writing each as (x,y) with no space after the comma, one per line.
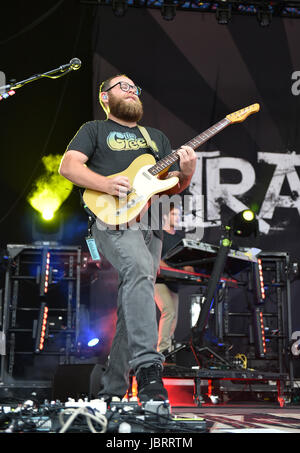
(197,344)
(10,89)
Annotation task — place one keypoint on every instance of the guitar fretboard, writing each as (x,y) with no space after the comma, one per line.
(194,143)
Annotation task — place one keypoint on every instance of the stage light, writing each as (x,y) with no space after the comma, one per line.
(248,215)
(259,333)
(41,328)
(223,14)
(258,282)
(47,214)
(50,189)
(264,17)
(244,223)
(90,337)
(47,227)
(168,10)
(88,341)
(93,342)
(119,7)
(45,278)
(89,334)
(7,94)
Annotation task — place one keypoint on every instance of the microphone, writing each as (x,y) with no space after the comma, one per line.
(74,64)
(8,90)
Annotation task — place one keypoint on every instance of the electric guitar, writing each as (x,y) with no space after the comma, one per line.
(144,176)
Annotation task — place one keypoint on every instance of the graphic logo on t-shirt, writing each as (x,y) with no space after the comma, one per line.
(127,141)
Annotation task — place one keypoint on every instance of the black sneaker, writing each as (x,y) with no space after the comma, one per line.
(150,384)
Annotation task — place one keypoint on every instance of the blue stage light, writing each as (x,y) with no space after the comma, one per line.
(93,342)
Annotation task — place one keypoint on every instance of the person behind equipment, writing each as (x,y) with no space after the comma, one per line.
(166,293)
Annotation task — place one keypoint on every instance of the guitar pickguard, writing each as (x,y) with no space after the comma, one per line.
(112,210)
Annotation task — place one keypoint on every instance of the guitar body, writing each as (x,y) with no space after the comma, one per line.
(112,210)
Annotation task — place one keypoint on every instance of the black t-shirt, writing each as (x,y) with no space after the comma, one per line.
(170,241)
(111,147)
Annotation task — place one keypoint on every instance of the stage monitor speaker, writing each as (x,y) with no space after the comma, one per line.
(77,381)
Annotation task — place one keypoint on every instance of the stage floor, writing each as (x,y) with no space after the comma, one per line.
(245,418)
(234,416)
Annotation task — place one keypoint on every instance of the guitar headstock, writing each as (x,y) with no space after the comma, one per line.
(241,115)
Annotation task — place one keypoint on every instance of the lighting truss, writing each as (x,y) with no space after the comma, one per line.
(275,8)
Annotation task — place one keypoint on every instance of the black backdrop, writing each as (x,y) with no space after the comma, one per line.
(193,72)
(41,117)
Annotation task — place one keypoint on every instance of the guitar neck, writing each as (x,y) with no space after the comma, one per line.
(194,143)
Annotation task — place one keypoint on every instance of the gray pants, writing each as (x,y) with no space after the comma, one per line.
(135,254)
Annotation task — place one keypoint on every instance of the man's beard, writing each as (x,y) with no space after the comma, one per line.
(131,111)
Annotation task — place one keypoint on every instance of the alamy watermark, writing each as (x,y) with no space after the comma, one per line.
(295,88)
(155,217)
(295,347)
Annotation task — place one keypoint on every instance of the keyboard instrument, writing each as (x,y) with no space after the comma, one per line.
(182,276)
(202,255)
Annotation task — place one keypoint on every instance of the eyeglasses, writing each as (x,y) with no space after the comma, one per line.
(126,87)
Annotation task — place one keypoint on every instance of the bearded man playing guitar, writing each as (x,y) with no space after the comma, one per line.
(108,158)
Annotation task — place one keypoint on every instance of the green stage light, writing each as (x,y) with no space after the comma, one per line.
(48,214)
(47,226)
(50,190)
(248,215)
(244,224)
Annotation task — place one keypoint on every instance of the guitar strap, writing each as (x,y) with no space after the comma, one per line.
(148,140)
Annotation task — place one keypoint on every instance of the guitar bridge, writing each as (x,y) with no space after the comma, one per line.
(130,203)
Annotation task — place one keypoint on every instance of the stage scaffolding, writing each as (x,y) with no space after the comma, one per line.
(38,276)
